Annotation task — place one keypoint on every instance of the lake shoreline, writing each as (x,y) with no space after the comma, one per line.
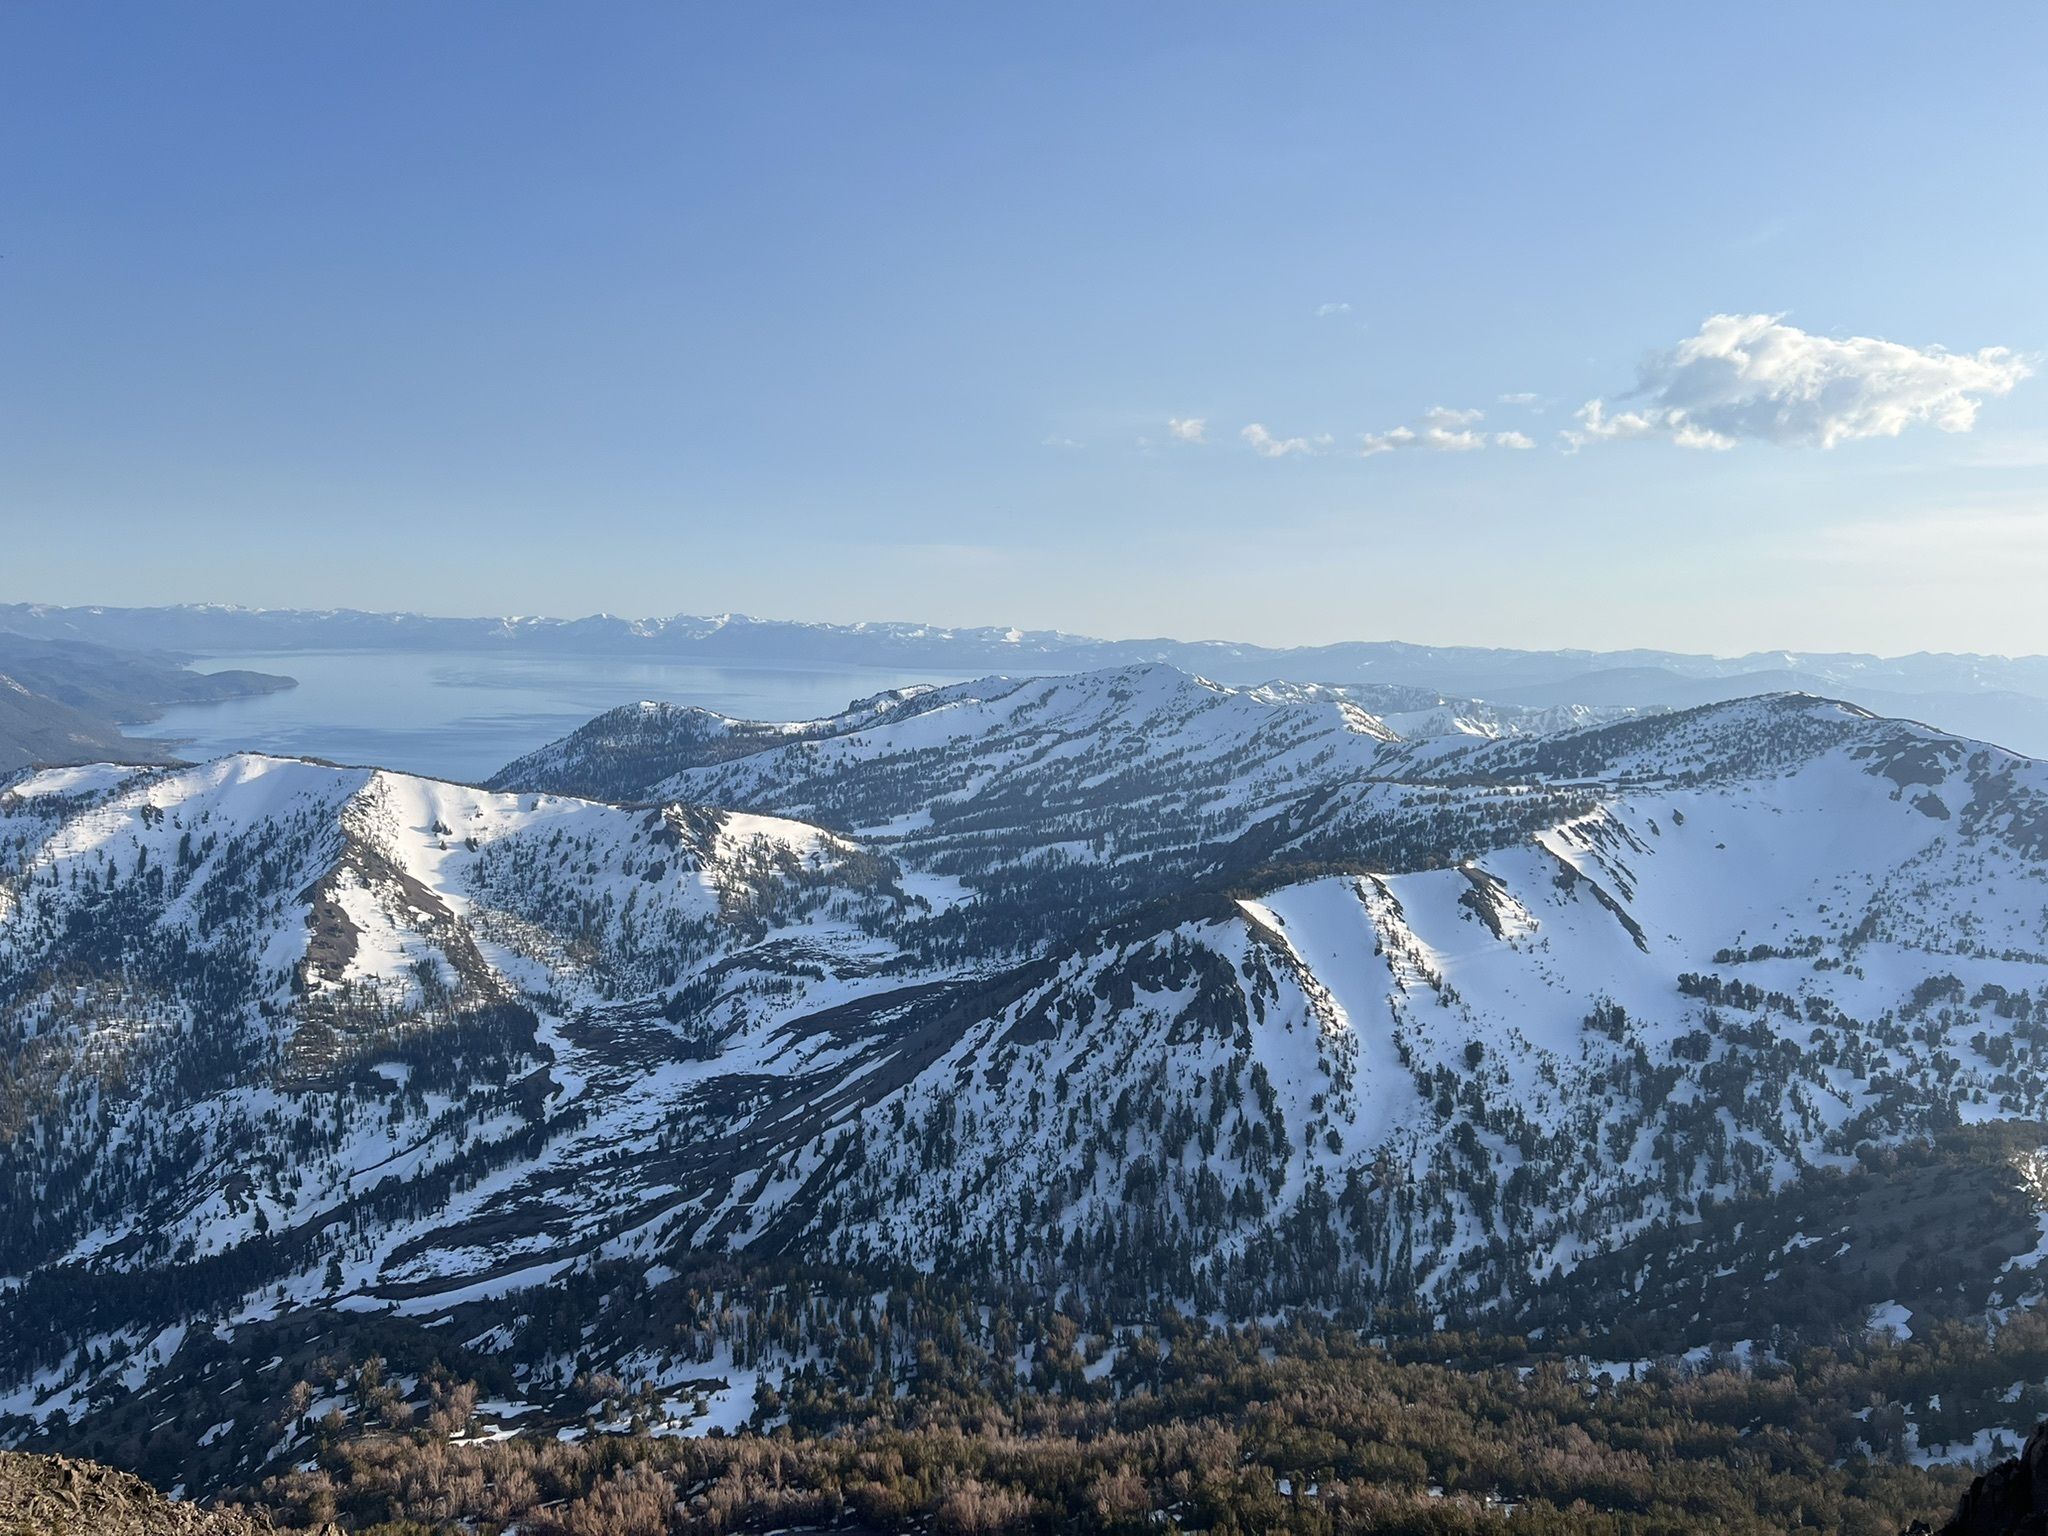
(462,715)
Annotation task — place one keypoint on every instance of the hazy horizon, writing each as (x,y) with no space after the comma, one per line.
(1126,638)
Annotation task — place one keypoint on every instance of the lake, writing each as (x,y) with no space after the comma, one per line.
(464,716)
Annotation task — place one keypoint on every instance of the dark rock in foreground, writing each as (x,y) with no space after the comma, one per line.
(2009,1500)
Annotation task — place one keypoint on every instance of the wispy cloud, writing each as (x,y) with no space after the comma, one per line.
(1749,378)
(1328,311)
(1061,442)
(1188,429)
(1442,430)
(1267,446)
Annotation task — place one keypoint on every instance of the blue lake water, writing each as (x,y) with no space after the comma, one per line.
(461,716)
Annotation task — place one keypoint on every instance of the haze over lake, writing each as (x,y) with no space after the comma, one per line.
(463,716)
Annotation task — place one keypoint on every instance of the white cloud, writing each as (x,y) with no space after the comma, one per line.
(1523,397)
(1597,426)
(1444,417)
(1388,441)
(1326,311)
(1188,429)
(1060,442)
(1441,430)
(1755,378)
(1267,446)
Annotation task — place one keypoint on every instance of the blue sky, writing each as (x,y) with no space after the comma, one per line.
(883,311)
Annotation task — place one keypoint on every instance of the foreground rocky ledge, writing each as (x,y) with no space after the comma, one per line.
(57,1496)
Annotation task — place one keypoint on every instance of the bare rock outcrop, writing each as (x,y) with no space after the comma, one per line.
(60,1496)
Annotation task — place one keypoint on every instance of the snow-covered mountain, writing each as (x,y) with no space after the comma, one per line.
(1126,983)
(653,748)
(298,973)
(1130,780)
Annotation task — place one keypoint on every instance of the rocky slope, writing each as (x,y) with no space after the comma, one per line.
(60,1496)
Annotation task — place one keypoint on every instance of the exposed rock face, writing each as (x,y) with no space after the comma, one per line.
(2009,1500)
(57,1496)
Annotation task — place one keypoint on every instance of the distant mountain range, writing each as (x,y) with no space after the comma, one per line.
(1993,698)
